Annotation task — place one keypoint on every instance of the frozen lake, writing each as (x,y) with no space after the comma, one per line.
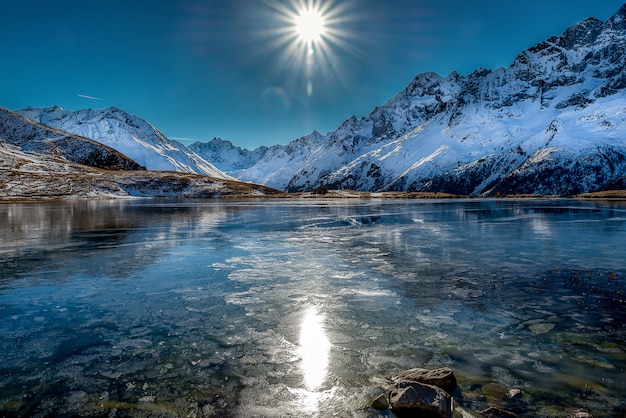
(302,307)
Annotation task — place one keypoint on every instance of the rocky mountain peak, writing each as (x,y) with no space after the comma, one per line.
(217,143)
(590,54)
(425,84)
(488,132)
(582,33)
(618,20)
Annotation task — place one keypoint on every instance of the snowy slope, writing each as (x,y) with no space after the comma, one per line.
(273,166)
(39,162)
(554,122)
(19,134)
(280,162)
(227,157)
(129,134)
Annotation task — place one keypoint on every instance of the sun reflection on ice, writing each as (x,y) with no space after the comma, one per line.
(314,349)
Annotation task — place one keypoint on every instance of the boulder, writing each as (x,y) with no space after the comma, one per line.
(421,400)
(443,378)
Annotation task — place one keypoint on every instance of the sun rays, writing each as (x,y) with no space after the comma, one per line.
(311,37)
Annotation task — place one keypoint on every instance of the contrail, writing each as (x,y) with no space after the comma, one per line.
(84,96)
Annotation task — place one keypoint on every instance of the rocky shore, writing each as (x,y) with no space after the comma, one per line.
(434,393)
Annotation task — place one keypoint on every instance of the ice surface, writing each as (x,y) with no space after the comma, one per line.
(233,308)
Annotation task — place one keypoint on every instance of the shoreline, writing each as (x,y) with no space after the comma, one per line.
(616,195)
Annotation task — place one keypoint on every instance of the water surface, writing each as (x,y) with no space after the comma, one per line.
(303,308)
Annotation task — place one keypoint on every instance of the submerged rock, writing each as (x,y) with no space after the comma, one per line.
(460,412)
(541,328)
(421,400)
(577,413)
(493,412)
(504,397)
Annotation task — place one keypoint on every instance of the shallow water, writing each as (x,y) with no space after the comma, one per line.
(303,308)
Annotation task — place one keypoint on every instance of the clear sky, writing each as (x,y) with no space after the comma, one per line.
(244,70)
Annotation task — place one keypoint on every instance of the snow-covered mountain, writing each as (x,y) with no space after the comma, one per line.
(22,136)
(553,122)
(129,134)
(228,157)
(273,166)
(39,162)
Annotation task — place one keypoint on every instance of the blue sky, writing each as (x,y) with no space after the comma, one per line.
(234,69)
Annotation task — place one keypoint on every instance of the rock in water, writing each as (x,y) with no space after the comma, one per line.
(421,400)
(442,378)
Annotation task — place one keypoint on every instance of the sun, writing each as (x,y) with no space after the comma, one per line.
(314,40)
(310,25)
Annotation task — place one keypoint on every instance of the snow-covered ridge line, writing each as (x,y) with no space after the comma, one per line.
(129,134)
(32,137)
(553,122)
(39,162)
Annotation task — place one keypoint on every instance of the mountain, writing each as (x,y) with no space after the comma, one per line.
(279,162)
(23,136)
(39,162)
(226,156)
(553,122)
(273,166)
(129,134)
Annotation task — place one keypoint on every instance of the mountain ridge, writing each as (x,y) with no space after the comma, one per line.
(129,134)
(40,162)
(226,156)
(33,137)
(556,112)
(552,122)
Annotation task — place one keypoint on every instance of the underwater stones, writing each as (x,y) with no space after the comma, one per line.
(443,378)
(498,394)
(577,413)
(514,393)
(541,328)
(425,400)
(493,412)
(504,398)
